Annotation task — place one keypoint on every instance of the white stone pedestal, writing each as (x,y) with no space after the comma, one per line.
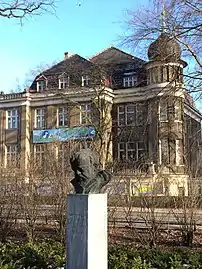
(87,231)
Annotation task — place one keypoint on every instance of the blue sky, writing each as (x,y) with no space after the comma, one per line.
(85,30)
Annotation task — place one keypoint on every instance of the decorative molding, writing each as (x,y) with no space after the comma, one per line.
(46,99)
(156,64)
(192,113)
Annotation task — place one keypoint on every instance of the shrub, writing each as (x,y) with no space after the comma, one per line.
(128,257)
(32,256)
(51,255)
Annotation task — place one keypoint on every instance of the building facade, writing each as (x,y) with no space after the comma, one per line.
(135,114)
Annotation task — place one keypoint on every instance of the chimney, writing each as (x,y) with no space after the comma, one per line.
(66,55)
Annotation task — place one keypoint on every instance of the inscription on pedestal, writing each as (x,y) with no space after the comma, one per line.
(77,223)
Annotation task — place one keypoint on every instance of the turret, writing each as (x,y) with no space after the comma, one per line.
(165,64)
(165,78)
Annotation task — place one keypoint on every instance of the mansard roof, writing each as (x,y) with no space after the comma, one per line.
(113,55)
(70,64)
(74,64)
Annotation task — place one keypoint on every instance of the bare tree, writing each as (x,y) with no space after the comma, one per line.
(181,20)
(8,202)
(19,9)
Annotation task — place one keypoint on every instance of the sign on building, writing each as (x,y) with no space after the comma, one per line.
(63,134)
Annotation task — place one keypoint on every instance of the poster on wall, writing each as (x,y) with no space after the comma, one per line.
(63,134)
(150,188)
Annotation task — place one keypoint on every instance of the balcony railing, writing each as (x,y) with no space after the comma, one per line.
(11,96)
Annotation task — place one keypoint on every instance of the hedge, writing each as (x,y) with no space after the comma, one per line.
(51,255)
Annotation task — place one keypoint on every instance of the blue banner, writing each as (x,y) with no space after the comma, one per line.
(63,134)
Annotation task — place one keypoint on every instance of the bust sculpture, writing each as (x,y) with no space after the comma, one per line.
(88,179)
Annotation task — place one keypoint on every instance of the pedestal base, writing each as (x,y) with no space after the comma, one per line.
(87,231)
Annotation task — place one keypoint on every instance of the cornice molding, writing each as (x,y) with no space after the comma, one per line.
(54,98)
(156,64)
(193,113)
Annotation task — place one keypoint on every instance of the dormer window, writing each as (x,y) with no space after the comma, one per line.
(63,81)
(85,81)
(41,83)
(129,81)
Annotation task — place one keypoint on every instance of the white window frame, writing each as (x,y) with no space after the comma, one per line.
(85,81)
(129,81)
(139,114)
(41,85)
(178,110)
(178,152)
(85,113)
(137,110)
(63,153)
(62,116)
(163,111)
(11,155)
(39,153)
(63,81)
(161,151)
(124,147)
(133,112)
(139,149)
(121,150)
(121,113)
(40,118)
(130,149)
(12,117)
(79,145)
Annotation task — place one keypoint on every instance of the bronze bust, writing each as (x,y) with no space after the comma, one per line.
(88,179)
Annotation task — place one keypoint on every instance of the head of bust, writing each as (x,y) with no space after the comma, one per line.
(84,165)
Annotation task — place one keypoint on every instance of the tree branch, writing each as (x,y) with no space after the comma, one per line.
(20,9)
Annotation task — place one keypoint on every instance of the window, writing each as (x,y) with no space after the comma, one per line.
(140,147)
(164,151)
(179,152)
(132,114)
(140,113)
(40,118)
(163,110)
(78,145)
(63,81)
(85,81)
(129,81)
(178,109)
(85,113)
(41,84)
(121,115)
(131,151)
(11,155)
(12,119)
(39,151)
(171,152)
(62,117)
(121,151)
(63,156)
